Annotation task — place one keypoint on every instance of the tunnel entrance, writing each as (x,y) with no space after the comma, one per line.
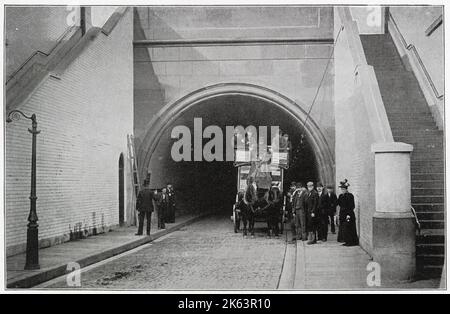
(203,185)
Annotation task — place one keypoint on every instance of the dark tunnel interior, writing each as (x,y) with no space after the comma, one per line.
(202,185)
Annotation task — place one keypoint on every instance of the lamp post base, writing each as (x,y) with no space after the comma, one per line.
(32,257)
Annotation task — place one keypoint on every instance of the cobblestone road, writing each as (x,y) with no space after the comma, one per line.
(204,255)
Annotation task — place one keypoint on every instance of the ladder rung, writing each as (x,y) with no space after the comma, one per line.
(133,163)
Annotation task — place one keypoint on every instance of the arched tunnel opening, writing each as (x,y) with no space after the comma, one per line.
(201,185)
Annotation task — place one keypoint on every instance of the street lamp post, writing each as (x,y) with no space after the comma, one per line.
(32,254)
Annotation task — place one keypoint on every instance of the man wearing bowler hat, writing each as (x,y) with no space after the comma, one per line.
(332,207)
(311,206)
(144,205)
(300,217)
(323,206)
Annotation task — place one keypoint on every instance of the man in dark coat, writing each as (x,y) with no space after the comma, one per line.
(289,196)
(261,206)
(162,208)
(332,207)
(289,209)
(346,202)
(249,200)
(300,218)
(311,205)
(323,208)
(170,213)
(274,211)
(144,205)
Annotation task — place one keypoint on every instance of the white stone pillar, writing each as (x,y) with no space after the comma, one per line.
(394,230)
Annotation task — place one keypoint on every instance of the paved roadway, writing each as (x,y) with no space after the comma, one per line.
(204,255)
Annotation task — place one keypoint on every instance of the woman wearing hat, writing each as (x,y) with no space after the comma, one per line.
(347,230)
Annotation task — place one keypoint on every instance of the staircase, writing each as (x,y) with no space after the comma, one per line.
(30,73)
(411,122)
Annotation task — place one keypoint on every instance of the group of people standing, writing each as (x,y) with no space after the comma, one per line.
(148,199)
(312,208)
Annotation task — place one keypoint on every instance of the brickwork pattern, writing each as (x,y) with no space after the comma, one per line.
(354,160)
(84,117)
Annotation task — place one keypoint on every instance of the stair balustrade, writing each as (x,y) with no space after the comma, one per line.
(432,95)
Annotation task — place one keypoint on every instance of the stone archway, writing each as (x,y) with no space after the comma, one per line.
(170,112)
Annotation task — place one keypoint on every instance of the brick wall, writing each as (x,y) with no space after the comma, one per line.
(84,117)
(354,136)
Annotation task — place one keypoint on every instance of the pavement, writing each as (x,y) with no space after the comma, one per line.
(203,254)
(54,260)
(331,266)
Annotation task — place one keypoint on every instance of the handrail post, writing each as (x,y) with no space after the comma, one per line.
(386,19)
(417,219)
(83,20)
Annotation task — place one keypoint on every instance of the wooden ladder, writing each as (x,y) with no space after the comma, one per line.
(134,171)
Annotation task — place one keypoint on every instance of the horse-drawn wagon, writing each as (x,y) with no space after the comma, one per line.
(268,175)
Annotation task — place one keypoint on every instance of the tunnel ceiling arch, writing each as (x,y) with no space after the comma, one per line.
(171,111)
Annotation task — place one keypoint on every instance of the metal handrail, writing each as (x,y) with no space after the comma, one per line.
(417,219)
(419,59)
(430,81)
(39,52)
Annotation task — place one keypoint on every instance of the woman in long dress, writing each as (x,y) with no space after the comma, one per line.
(347,229)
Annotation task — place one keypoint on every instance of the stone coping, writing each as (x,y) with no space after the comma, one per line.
(391,147)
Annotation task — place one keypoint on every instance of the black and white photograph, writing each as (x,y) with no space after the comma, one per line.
(265,147)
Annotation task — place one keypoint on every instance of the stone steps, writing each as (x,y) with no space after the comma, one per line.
(432,144)
(412,127)
(427,176)
(408,124)
(432,207)
(428,183)
(411,116)
(427,199)
(417,132)
(432,224)
(425,162)
(400,116)
(431,216)
(411,122)
(430,151)
(427,168)
(431,259)
(430,248)
(432,155)
(427,191)
(429,271)
(419,138)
